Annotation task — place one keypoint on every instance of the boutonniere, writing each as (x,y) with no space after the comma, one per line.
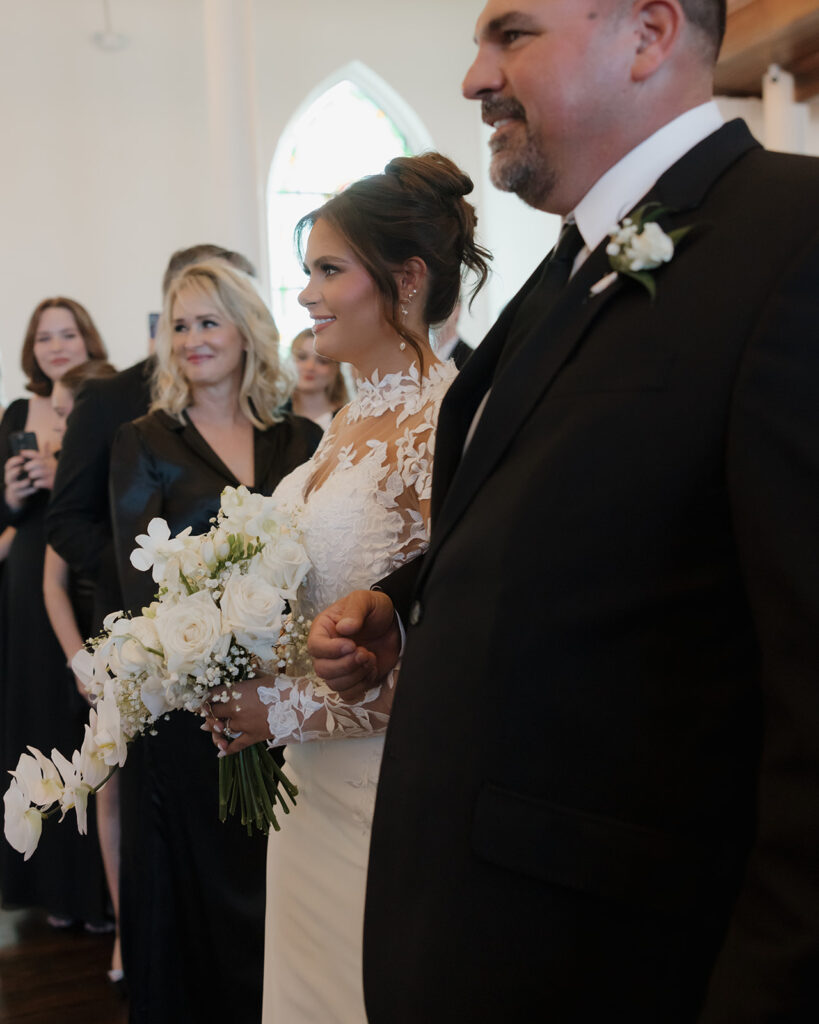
(638,246)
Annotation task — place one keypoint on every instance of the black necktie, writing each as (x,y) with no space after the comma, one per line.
(537,303)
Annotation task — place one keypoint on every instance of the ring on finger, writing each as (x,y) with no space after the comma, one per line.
(229,732)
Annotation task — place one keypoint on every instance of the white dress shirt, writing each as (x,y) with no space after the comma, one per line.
(624,184)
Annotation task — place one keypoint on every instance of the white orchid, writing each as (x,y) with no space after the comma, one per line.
(155,548)
(75,789)
(38,778)
(22,824)
(106,725)
(92,764)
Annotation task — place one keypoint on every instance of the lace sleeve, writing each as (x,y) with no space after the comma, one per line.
(365,512)
(304,709)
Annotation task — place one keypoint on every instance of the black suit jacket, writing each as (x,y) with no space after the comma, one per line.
(621,602)
(460,353)
(78,521)
(161,467)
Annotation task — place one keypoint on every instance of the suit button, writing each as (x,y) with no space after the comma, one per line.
(415,613)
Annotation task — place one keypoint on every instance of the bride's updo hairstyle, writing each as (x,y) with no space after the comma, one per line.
(416,208)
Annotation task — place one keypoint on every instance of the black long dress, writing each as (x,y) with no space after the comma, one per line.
(198,896)
(40,706)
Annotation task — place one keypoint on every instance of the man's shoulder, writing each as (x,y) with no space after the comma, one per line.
(124,396)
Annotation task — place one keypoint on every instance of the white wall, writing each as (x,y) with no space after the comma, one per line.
(107,156)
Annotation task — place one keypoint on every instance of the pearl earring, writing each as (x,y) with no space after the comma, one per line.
(402,346)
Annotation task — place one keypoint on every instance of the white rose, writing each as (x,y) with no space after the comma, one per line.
(23,823)
(139,645)
(650,248)
(284,564)
(252,609)
(190,631)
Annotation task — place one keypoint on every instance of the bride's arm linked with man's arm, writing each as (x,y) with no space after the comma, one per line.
(355,645)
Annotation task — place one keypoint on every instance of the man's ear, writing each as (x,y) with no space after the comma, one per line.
(659,23)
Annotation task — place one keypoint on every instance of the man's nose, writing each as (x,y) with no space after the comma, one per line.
(483,77)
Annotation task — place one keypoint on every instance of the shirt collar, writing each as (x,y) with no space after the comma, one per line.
(624,184)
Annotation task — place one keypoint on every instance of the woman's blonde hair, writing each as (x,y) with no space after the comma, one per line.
(266,384)
(338,393)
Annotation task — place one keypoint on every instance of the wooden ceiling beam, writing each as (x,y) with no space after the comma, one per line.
(765,32)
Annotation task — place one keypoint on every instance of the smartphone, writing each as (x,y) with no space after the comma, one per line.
(22,440)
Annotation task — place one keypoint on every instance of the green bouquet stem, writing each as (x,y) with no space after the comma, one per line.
(253,783)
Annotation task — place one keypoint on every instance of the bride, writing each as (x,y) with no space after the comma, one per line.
(384,260)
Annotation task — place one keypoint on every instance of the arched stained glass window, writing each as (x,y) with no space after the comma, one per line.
(354,126)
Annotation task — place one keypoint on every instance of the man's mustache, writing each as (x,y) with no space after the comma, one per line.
(496,108)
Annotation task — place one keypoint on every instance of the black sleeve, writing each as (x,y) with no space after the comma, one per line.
(14,418)
(77,521)
(768,969)
(399,586)
(136,498)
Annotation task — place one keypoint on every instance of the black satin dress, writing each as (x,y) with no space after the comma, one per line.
(40,706)
(192,889)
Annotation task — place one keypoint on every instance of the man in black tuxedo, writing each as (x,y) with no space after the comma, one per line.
(599,800)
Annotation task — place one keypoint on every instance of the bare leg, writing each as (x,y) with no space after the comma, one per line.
(108,830)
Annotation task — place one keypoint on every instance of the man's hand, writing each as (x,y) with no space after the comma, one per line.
(355,643)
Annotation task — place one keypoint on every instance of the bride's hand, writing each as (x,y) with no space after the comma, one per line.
(355,643)
(240,721)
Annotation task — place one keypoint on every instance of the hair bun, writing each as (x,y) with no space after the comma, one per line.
(430,171)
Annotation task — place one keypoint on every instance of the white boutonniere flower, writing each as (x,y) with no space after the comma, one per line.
(638,246)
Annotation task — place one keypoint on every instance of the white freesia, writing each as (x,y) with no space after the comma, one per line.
(38,778)
(252,609)
(191,632)
(22,824)
(238,506)
(75,789)
(156,546)
(216,549)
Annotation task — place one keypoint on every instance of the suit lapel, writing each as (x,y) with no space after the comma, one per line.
(548,343)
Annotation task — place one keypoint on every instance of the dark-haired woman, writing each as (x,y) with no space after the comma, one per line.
(39,703)
(384,261)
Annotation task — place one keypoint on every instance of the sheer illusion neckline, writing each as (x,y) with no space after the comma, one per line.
(405,391)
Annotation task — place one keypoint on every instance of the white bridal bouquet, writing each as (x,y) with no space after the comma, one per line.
(218,615)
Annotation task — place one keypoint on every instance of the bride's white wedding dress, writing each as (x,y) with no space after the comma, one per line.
(363,506)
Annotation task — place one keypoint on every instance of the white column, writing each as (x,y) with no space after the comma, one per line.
(237,203)
(785,119)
